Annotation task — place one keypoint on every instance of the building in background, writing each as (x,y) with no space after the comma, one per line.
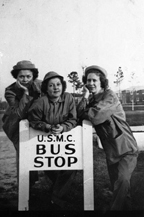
(133,98)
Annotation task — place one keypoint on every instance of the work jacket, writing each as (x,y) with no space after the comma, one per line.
(105,112)
(18,105)
(44,111)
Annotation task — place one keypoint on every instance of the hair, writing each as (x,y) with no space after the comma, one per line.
(15,73)
(45,83)
(103,79)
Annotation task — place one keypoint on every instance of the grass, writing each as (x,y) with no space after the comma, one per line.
(39,193)
(74,197)
(135,118)
(102,187)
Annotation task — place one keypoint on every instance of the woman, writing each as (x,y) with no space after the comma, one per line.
(20,95)
(101,106)
(55,113)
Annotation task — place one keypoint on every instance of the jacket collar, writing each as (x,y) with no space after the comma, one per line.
(61,99)
(96,97)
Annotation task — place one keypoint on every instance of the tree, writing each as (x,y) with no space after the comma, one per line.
(133,78)
(74,79)
(79,85)
(119,77)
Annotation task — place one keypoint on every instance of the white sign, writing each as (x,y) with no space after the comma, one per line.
(71,150)
(49,152)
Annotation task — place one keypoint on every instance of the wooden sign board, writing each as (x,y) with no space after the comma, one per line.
(71,150)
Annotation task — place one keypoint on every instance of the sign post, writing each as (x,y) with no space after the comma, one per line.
(71,150)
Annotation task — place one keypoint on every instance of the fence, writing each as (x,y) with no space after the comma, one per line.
(37,153)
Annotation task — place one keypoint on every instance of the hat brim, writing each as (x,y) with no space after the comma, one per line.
(95,67)
(53,76)
(15,72)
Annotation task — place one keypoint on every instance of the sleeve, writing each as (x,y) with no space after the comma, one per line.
(72,116)
(82,109)
(102,110)
(18,107)
(35,116)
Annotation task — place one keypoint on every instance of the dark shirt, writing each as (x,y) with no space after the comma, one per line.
(18,101)
(18,105)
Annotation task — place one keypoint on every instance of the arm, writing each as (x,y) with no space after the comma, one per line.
(19,98)
(35,116)
(72,117)
(82,107)
(18,107)
(100,111)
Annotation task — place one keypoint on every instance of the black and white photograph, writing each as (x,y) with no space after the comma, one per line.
(72,106)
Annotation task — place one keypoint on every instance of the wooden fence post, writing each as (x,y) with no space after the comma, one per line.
(88,166)
(23,188)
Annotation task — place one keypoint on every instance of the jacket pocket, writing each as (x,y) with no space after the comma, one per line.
(122,145)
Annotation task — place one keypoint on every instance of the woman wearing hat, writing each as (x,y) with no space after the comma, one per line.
(20,95)
(55,113)
(101,106)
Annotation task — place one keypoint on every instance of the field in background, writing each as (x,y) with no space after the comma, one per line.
(135,118)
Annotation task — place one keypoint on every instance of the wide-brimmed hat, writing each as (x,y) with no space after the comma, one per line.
(24,65)
(51,74)
(95,67)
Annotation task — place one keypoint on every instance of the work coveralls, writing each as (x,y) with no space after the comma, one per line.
(105,112)
(18,105)
(63,112)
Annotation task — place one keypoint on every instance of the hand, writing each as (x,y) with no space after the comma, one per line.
(86,92)
(22,87)
(57,129)
(48,127)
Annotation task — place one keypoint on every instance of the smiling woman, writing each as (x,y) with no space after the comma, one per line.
(101,106)
(55,113)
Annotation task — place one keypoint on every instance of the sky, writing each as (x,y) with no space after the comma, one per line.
(67,35)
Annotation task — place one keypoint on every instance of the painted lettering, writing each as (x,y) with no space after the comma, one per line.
(40,149)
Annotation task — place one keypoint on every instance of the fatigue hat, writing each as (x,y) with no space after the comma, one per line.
(23,65)
(95,67)
(52,74)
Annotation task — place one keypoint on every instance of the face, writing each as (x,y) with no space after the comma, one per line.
(54,88)
(25,77)
(93,83)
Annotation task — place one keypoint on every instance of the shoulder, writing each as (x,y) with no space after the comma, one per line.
(67,96)
(39,103)
(42,99)
(11,87)
(37,82)
(10,90)
(110,93)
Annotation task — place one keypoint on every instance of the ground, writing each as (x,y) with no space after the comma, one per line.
(39,193)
